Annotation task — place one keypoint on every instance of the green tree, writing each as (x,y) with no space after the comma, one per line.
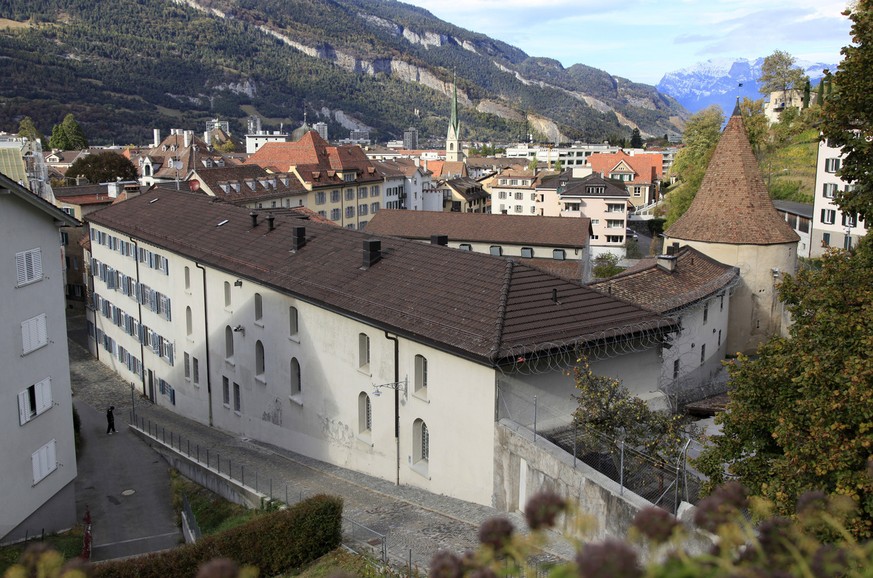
(68,135)
(606,407)
(778,73)
(606,265)
(807,91)
(848,114)
(103,167)
(27,129)
(757,125)
(819,93)
(636,139)
(702,132)
(800,415)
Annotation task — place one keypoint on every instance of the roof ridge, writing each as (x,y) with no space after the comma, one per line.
(501,310)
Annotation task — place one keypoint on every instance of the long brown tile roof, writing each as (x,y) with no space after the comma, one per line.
(485,308)
(650,285)
(732,205)
(482,227)
(254,183)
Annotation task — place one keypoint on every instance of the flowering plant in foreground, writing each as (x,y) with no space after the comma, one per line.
(748,541)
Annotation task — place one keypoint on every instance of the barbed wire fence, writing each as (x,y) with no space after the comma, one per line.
(665,483)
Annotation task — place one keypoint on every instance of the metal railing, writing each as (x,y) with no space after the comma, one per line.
(663,482)
(191,519)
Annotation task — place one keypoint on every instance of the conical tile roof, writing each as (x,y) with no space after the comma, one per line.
(732,205)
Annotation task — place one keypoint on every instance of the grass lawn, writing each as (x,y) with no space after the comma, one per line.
(69,544)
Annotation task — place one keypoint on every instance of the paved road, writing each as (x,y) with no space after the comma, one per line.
(412,519)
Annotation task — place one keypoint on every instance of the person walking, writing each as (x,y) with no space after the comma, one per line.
(110,420)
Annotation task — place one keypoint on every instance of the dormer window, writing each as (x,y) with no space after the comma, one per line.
(348,177)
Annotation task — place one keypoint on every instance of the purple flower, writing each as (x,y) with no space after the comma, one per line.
(812,502)
(542,509)
(655,524)
(444,564)
(721,507)
(609,559)
(829,561)
(496,533)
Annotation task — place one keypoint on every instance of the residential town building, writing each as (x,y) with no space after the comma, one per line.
(574,155)
(463,195)
(249,186)
(733,221)
(799,217)
(410,186)
(341,182)
(77,202)
(514,191)
(171,159)
(37,455)
(779,100)
(603,201)
(343,346)
(558,245)
(641,174)
(831,227)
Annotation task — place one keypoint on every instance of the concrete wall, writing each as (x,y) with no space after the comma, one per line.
(524,468)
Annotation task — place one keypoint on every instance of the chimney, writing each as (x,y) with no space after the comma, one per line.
(298,238)
(156,138)
(186,136)
(439,240)
(254,217)
(270,219)
(668,261)
(372,252)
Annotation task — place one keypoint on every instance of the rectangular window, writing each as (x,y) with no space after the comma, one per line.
(825,239)
(828,190)
(705,313)
(832,165)
(33,334)
(44,461)
(828,216)
(527,252)
(195,370)
(350,212)
(319,198)
(335,214)
(363,351)
(363,209)
(225,391)
(675,369)
(237,401)
(34,400)
(496,250)
(28,267)
(702,353)
(848,220)
(519,196)
(334,196)
(187,366)
(374,208)
(501,195)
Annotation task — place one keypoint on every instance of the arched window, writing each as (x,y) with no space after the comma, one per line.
(228,343)
(420,442)
(365,414)
(259,359)
(227,293)
(296,387)
(259,307)
(420,375)
(187,278)
(189,322)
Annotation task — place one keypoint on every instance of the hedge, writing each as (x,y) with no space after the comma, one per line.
(275,543)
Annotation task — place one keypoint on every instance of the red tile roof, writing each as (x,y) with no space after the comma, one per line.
(732,205)
(484,308)
(647,167)
(650,285)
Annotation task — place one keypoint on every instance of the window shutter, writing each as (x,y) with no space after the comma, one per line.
(43,395)
(20,269)
(23,409)
(36,463)
(51,461)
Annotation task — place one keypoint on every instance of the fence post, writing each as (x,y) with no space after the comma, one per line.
(575,437)
(621,470)
(535,419)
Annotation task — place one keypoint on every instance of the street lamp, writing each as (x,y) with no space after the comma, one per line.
(395,385)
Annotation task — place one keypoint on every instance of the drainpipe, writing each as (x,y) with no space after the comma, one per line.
(206,334)
(139,314)
(396,399)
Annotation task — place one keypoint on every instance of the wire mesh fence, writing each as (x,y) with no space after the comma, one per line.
(664,483)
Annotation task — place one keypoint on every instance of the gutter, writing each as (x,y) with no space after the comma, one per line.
(206,340)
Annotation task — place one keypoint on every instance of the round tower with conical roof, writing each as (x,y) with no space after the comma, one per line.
(733,220)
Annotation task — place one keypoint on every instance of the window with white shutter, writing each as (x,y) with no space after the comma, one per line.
(28,267)
(33,334)
(44,461)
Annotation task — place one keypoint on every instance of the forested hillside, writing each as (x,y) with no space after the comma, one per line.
(127,66)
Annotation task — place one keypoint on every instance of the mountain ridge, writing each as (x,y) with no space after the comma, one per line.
(194,59)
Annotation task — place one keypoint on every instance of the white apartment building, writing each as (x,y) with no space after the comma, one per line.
(571,156)
(830,226)
(513,192)
(37,456)
(360,351)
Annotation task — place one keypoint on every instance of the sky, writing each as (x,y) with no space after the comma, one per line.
(643,39)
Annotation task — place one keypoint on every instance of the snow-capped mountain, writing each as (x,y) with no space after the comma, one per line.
(718,81)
